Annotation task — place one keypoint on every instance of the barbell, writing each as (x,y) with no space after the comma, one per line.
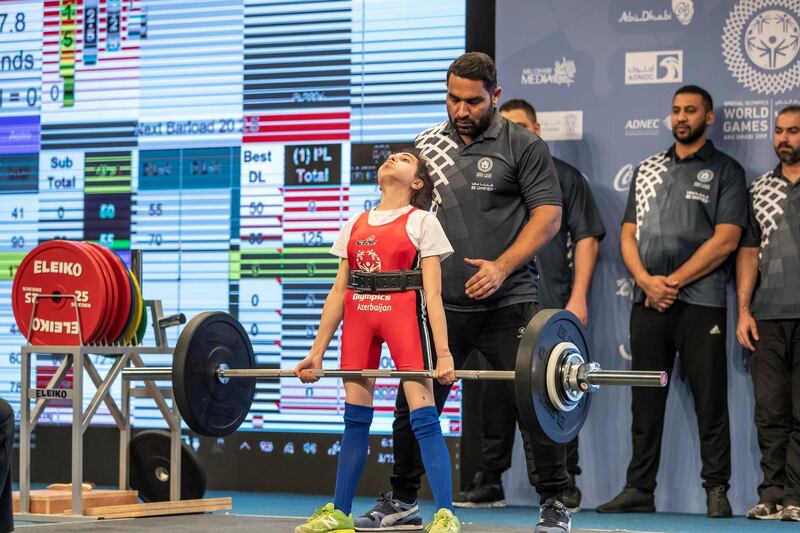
(214,373)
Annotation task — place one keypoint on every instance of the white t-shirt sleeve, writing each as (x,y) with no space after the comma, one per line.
(339,248)
(427,234)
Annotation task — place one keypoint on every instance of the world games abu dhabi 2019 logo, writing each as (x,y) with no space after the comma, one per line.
(761,44)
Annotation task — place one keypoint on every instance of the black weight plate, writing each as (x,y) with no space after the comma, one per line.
(208,406)
(149,468)
(543,421)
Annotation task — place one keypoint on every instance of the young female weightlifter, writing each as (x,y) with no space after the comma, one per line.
(398,235)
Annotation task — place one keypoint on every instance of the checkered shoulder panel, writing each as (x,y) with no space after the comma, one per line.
(440,151)
(768,192)
(648,179)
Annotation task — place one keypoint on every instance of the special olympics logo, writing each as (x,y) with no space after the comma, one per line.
(368,261)
(772,39)
(705,176)
(485,164)
(760,44)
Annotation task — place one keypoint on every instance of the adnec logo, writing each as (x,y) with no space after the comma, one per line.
(760,44)
(635,127)
(654,67)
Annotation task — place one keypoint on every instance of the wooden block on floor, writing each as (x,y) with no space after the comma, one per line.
(161,508)
(47,501)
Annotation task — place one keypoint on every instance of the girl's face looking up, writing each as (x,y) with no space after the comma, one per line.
(400,169)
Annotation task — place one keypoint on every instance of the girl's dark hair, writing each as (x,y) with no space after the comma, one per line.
(421,198)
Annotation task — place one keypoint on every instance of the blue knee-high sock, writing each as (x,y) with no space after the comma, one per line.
(352,455)
(435,457)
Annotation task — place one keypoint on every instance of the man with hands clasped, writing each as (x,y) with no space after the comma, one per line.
(685,213)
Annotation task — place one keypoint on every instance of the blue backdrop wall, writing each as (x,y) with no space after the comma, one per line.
(602,75)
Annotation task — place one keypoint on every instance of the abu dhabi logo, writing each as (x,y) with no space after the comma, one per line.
(654,67)
(682,11)
(760,44)
(622,181)
(561,73)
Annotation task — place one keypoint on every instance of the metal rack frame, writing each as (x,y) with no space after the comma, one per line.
(77,358)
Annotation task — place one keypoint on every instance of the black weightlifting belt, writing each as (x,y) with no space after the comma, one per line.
(391,281)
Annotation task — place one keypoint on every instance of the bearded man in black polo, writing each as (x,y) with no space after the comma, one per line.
(770,324)
(686,210)
(565,269)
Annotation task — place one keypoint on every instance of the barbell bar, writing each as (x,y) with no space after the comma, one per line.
(214,374)
(594,377)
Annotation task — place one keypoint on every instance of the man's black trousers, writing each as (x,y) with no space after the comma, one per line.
(775,369)
(697,333)
(495,334)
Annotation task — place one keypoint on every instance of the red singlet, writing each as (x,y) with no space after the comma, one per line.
(398,318)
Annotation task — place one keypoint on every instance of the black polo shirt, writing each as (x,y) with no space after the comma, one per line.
(579,219)
(485,191)
(775,227)
(676,205)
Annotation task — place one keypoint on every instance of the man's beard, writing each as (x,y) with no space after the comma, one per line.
(692,136)
(790,157)
(475,128)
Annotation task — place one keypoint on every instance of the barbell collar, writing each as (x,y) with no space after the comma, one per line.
(631,378)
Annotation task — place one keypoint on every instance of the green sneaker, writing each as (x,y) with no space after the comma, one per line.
(444,522)
(325,519)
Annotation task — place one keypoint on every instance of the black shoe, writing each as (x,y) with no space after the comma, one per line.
(630,500)
(553,518)
(572,499)
(717,503)
(480,494)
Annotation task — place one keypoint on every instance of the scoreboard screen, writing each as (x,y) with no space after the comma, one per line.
(229,141)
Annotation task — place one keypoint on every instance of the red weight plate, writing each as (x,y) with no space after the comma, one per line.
(59,267)
(114,311)
(123,287)
(112,294)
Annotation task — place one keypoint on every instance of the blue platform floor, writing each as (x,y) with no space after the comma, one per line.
(300,505)
(250,503)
